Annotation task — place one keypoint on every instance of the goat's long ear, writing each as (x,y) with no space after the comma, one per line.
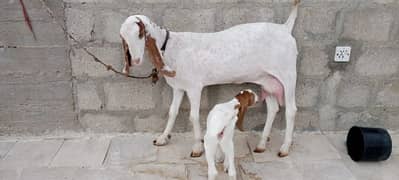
(128,58)
(240,119)
(156,57)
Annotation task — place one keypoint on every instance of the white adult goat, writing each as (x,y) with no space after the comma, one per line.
(260,53)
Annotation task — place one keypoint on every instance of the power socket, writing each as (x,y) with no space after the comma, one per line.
(342,54)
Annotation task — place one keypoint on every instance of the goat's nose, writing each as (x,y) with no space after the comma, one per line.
(136,61)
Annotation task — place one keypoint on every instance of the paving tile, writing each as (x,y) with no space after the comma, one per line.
(338,140)
(272,148)
(9,174)
(395,144)
(200,172)
(5,148)
(82,153)
(324,169)
(384,170)
(311,147)
(127,150)
(178,150)
(73,173)
(48,173)
(31,153)
(270,170)
(241,148)
(173,171)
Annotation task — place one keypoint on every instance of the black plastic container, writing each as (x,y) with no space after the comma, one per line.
(368,144)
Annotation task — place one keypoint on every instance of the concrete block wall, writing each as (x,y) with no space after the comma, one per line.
(330,96)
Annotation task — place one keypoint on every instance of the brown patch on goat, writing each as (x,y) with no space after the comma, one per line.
(141,28)
(246,99)
(156,57)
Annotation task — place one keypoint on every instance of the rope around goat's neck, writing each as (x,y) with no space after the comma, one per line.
(153,75)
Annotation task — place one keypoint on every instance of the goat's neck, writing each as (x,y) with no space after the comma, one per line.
(156,32)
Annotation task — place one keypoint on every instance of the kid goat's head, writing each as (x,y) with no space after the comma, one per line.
(246,98)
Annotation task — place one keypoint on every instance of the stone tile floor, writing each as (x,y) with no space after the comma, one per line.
(314,156)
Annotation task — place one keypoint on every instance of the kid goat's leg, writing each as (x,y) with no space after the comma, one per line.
(211,145)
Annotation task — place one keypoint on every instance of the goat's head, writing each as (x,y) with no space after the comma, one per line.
(246,98)
(133,35)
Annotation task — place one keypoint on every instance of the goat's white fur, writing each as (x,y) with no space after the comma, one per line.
(257,53)
(219,134)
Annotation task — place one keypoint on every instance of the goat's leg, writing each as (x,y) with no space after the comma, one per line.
(290,111)
(227,146)
(272,109)
(211,146)
(173,110)
(195,98)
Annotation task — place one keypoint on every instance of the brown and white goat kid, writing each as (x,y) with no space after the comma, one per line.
(261,53)
(220,130)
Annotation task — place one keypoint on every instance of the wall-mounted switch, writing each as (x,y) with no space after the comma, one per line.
(342,53)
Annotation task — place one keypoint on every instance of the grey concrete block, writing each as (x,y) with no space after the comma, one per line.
(83,64)
(80,23)
(36,108)
(378,62)
(88,153)
(352,95)
(316,20)
(231,16)
(369,24)
(129,150)
(389,95)
(27,65)
(108,24)
(307,93)
(151,123)
(106,123)
(12,11)
(167,96)
(88,97)
(202,20)
(18,34)
(346,120)
(306,120)
(133,95)
(392,123)
(314,62)
(31,154)
(327,117)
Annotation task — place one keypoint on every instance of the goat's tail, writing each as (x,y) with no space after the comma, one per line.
(291,19)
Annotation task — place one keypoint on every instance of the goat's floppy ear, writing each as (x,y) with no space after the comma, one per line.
(156,57)
(141,28)
(242,109)
(128,58)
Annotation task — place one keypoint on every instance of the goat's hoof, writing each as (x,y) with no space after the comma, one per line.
(281,154)
(195,154)
(161,140)
(259,150)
